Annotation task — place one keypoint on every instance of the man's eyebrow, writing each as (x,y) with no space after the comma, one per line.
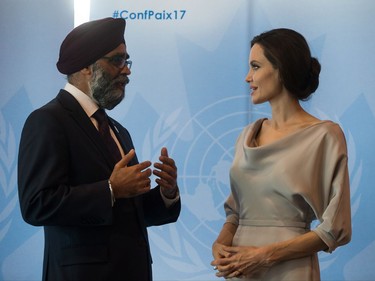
(123,55)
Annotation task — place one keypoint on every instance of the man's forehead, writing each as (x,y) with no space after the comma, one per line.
(120,50)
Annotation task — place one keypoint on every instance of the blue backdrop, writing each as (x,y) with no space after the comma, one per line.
(187,92)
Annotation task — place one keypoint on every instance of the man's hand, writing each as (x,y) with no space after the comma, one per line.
(167,174)
(130,181)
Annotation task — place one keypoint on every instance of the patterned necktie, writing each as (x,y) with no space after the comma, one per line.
(105,133)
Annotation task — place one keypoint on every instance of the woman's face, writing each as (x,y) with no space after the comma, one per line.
(263,78)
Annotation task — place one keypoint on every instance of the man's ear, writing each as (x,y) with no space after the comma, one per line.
(82,78)
(87,71)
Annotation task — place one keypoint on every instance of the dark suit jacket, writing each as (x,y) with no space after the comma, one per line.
(63,173)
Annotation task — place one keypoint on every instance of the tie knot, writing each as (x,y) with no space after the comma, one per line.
(102,119)
(104,131)
(100,116)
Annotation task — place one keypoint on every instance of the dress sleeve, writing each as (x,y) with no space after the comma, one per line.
(231,204)
(335,214)
(231,211)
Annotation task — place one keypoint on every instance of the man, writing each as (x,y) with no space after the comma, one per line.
(81,179)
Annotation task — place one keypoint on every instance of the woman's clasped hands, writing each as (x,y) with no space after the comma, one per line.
(242,261)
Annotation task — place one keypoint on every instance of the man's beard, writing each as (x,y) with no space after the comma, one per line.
(105,90)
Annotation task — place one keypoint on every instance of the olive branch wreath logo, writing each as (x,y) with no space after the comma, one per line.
(8,175)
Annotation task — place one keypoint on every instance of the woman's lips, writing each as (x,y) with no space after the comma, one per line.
(253,89)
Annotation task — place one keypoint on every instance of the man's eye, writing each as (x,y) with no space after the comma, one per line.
(117,59)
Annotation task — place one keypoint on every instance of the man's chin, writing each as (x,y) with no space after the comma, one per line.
(115,102)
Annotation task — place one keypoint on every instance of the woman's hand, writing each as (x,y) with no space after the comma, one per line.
(217,250)
(239,261)
(251,261)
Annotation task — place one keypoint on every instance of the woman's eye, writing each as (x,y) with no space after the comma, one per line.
(254,66)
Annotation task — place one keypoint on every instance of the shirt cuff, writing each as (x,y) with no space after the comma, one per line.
(170,202)
(113,199)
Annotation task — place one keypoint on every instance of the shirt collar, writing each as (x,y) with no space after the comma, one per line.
(88,105)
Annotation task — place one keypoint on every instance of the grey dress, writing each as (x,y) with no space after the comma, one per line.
(278,189)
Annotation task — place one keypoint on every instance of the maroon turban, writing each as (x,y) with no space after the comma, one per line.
(88,42)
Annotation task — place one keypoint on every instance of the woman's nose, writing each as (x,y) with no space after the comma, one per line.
(249,77)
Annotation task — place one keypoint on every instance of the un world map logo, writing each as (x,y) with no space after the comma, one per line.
(203,150)
(206,146)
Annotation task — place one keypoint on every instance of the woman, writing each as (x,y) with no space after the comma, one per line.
(287,171)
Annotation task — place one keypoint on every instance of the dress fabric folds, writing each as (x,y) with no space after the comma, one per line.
(278,189)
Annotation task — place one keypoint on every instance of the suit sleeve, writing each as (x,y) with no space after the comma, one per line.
(153,206)
(155,211)
(46,192)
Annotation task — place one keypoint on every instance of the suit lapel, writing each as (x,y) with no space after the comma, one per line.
(80,117)
(124,140)
(125,146)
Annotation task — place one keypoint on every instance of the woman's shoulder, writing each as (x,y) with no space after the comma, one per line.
(253,126)
(329,126)
(331,132)
(250,130)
